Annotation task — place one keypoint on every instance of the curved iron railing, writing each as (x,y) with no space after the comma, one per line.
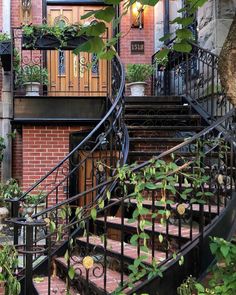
(82,235)
(195,76)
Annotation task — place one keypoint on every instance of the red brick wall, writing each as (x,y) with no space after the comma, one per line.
(17,162)
(135,34)
(43,148)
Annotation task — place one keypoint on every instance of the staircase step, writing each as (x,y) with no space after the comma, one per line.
(161,107)
(58,286)
(114,247)
(139,117)
(154,99)
(156,139)
(115,222)
(95,276)
(195,207)
(174,127)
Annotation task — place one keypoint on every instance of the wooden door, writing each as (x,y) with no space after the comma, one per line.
(68,73)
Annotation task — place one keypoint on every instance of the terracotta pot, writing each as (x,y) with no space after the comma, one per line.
(2,288)
(137,88)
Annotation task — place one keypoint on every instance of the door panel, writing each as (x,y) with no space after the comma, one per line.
(68,73)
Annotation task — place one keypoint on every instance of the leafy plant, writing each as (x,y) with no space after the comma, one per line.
(61,32)
(138,72)
(223,279)
(8,264)
(4,37)
(34,199)
(32,73)
(8,190)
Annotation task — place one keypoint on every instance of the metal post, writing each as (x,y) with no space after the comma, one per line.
(14,214)
(29,260)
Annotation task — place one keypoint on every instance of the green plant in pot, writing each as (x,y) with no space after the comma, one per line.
(8,264)
(33,203)
(136,76)
(31,77)
(8,190)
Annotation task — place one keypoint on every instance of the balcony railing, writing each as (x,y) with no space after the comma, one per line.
(58,72)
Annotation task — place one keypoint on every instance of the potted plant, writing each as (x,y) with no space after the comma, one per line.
(9,284)
(31,77)
(33,203)
(9,190)
(136,76)
(47,37)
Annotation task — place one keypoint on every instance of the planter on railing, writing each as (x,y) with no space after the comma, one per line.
(5,53)
(50,42)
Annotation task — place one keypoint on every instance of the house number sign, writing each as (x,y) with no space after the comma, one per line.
(137,47)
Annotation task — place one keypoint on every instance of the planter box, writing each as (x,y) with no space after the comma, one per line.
(50,42)
(5,54)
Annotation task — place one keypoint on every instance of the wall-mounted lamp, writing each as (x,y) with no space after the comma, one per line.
(137,10)
(26,9)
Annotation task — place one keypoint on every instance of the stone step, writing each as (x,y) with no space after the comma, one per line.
(173,230)
(195,207)
(139,117)
(114,248)
(95,275)
(163,108)
(58,286)
(154,99)
(157,128)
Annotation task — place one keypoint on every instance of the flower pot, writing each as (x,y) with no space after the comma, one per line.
(2,288)
(4,212)
(137,88)
(32,88)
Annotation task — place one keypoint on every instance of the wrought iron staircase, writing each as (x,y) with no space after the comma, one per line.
(83,244)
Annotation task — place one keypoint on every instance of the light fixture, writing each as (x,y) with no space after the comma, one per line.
(26,8)
(137,15)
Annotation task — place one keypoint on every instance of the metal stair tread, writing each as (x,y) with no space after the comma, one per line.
(157,106)
(96,279)
(171,117)
(158,228)
(129,250)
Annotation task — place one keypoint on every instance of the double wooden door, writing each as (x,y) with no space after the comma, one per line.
(70,74)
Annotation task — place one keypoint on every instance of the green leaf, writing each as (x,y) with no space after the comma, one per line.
(166,37)
(224,249)
(163,53)
(66,256)
(182,47)
(160,237)
(133,240)
(94,213)
(184,34)
(101,204)
(90,13)
(106,14)
(110,2)
(93,45)
(71,272)
(151,186)
(185,21)
(52,226)
(96,29)
(108,55)
(199,287)
(149,2)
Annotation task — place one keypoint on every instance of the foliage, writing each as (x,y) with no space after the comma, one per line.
(223,279)
(138,72)
(32,73)
(2,148)
(9,190)
(8,263)
(62,33)
(4,37)
(34,199)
